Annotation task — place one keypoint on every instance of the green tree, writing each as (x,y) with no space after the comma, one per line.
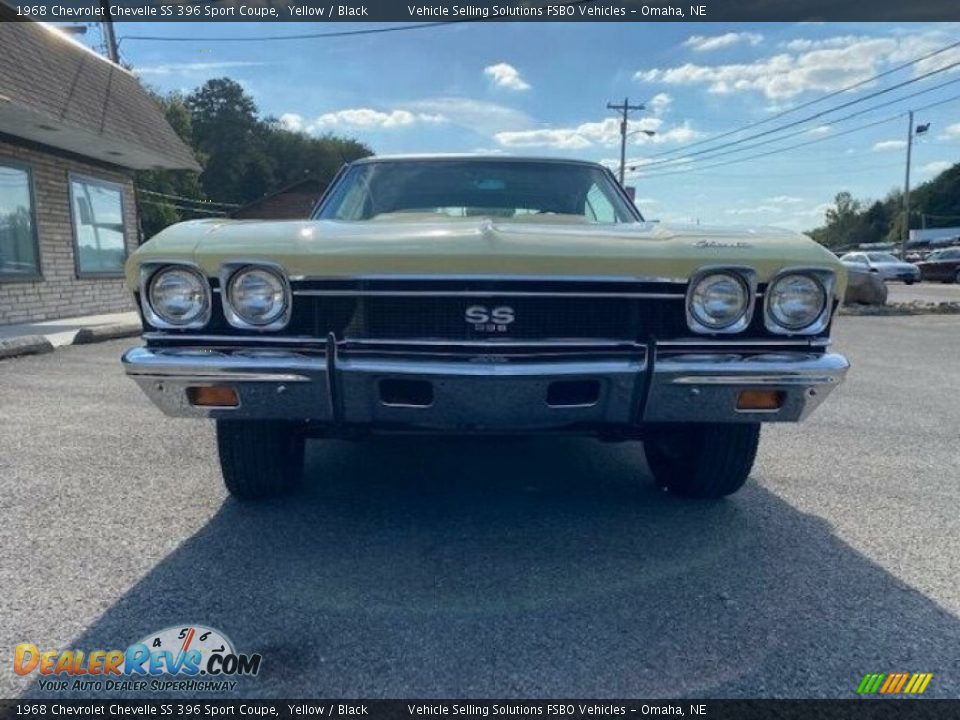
(157,211)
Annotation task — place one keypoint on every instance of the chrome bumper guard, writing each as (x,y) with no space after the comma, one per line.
(616,387)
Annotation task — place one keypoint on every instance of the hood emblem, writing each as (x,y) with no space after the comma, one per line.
(721,244)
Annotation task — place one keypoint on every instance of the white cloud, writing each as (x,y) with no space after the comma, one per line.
(951,133)
(784,200)
(755,210)
(659,103)
(506,76)
(358,119)
(605,133)
(885,145)
(292,121)
(819,130)
(816,65)
(703,43)
(483,118)
(936,167)
(561,139)
(194,68)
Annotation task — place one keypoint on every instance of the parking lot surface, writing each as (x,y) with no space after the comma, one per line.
(516,568)
(926,292)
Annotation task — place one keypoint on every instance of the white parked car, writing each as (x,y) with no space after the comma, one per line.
(889,266)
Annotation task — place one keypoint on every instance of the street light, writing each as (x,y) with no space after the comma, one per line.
(648,133)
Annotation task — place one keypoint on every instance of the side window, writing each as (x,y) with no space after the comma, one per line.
(18,234)
(97,226)
(859,259)
(598,207)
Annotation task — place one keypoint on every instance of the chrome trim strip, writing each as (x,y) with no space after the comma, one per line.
(775,342)
(489,277)
(483,293)
(270,339)
(556,343)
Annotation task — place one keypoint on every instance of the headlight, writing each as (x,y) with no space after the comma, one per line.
(718,301)
(795,301)
(179,297)
(259,297)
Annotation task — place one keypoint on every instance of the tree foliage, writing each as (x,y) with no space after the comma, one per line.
(243,156)
(851,222)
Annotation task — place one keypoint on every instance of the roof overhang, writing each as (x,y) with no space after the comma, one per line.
(54,132)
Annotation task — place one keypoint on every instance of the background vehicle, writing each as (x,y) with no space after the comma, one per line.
(889,266)
(942,265)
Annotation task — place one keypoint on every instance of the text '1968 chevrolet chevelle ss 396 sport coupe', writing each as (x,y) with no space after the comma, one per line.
(484,295)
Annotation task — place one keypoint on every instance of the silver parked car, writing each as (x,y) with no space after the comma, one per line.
(889,266)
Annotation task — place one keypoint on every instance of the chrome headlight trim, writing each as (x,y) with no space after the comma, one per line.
(747,277)
(230,271)
(824,278)
(149,272)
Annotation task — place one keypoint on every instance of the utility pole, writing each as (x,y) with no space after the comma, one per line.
(921,129)
(625,110)
(109,37)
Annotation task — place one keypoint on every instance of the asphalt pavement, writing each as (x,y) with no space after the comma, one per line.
(521,568)
(926,292)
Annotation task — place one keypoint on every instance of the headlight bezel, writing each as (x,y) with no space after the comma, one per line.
(230,271)
(824,278)
(149,272)
(745,276)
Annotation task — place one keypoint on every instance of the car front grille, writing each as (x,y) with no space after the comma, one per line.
(440,310)
(508,311)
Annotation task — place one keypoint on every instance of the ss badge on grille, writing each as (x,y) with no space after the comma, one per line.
(486,319)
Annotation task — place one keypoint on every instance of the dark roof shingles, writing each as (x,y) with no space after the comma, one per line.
(51,76)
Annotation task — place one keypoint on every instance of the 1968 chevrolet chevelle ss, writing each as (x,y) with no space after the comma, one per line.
(484,295)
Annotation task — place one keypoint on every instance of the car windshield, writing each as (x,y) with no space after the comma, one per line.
(412,189)
(883,257)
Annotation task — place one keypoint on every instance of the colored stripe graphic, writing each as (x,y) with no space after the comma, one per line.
(894,683)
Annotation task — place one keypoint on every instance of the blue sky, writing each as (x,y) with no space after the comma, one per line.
(542,89)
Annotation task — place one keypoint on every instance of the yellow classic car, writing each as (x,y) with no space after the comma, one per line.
(484,295)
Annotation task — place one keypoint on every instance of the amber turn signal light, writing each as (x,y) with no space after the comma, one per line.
(213,396)
(760,400)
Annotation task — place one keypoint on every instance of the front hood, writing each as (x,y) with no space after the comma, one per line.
(468,246)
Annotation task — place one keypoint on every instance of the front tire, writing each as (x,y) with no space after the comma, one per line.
(260,458)
(708,460)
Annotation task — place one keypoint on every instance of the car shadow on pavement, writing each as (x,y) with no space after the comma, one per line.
(532,568)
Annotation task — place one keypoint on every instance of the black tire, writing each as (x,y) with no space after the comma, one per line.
(708,460)
(909,282)
(956,278)
(260,458)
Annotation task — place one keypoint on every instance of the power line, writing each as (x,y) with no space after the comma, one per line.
(804,131)
(815,116)
(798,145)
(304,36)
(158,203)
(181,197)
(809,103)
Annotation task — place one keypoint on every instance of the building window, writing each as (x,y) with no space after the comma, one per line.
(18,230)
(97,226)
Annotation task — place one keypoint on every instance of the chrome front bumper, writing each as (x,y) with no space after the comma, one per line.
(650,385)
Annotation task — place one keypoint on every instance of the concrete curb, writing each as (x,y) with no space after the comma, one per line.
(100,333)
(24,345)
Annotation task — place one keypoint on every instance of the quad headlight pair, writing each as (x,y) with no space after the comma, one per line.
(722,301)
(179,297)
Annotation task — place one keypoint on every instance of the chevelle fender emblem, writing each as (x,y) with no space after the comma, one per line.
(721,244)
(485,319)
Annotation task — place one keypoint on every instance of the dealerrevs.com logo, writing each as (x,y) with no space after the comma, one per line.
(179,658)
